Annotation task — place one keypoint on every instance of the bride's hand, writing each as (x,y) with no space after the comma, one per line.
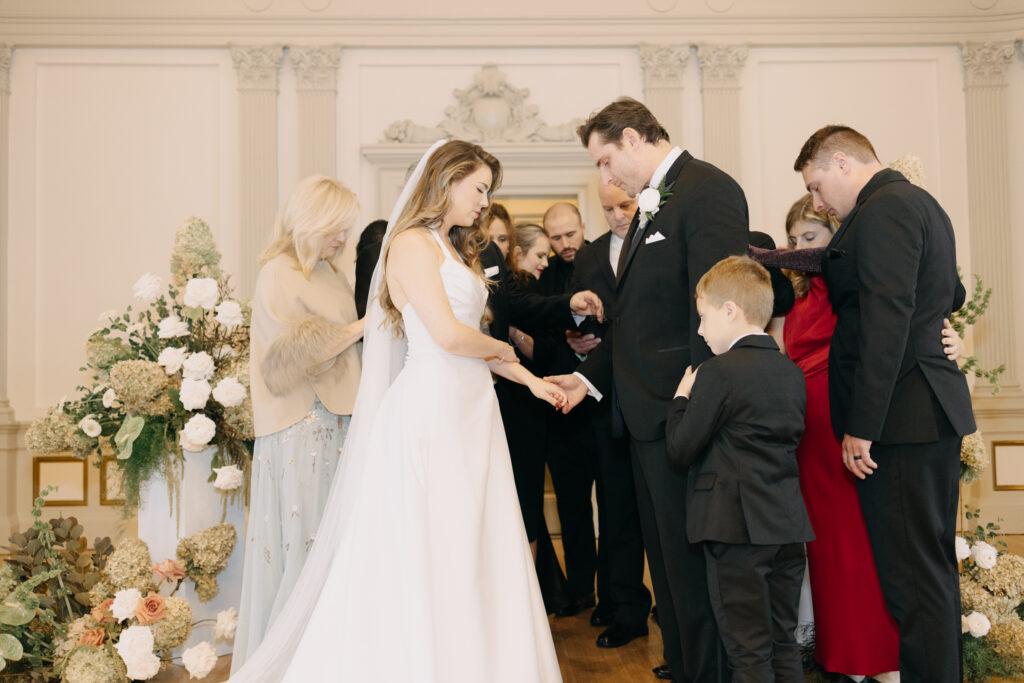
(546,391)
(507,354)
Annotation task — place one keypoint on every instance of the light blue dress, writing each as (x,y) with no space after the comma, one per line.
(292,472)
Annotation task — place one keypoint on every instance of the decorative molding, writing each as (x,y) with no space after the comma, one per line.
(719,5)
(5,68)
(985,64)
(720,65)
(664,65)
(257,66)
(316,66)
(490,110)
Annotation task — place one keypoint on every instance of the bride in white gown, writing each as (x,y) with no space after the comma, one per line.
(421,569)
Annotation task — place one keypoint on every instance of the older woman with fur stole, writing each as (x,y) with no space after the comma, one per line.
(304,375)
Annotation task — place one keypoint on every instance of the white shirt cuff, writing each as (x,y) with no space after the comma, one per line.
(591,389)
(578,319)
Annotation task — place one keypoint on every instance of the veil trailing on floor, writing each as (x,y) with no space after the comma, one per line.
(383,358)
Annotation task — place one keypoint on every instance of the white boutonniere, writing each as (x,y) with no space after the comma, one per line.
(652,199)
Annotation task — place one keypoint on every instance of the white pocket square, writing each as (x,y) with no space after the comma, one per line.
(491,272)
(656,237)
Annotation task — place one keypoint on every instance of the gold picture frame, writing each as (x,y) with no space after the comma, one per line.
(63,473)
(110,482)
(1008,445)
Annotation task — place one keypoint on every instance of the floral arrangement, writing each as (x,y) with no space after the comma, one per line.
(992,601)
(168,378)
(122,628)
(973,457)
(651,199)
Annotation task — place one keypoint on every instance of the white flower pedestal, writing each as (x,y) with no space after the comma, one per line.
(201,507)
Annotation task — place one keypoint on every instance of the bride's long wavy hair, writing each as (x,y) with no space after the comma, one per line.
(431,200)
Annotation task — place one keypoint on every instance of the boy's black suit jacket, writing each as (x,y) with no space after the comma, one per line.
(891,276)
(738,436)
(654,322)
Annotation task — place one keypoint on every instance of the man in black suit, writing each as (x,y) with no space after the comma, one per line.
(692,216)
(623,600)
(898,404)
(734,427)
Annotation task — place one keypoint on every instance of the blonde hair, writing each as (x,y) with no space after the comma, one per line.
(803,210)
(743,281)
(523,237)
(430,202)
(318,207)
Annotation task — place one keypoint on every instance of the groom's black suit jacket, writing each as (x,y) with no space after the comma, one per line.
(654,321)
(891,276)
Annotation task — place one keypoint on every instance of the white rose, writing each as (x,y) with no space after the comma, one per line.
(142,668)
(147,288)
(228,478)
(229,314)
(125,602)
(90,426)
(227,622)
(229,392)
(978,624)
(202,292)
(649,200)
(135,646)
(172,326)
(172,358)
(197,432)
(198,366)
(963,550)
(194,393)
(984,555)
(224,351)
(109,396)
(199,660)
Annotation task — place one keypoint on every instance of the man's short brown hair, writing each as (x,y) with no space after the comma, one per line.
(826,141)
(743,281)
(621,114)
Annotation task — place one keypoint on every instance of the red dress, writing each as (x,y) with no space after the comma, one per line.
(854,632)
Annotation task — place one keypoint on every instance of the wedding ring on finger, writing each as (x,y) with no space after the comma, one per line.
(857,457)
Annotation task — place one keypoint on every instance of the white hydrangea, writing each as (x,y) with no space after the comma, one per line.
(109,397)
(199,660)
(228,478)
(172,326)
(147,287)
(125,602)
(197,433)
(229,314)
(963,549)
(172,358)
(227,622)
(984,555)
(194,393)
(198,366)
(978,624)
(90,426)
(202,292)
(229,392)
(135,646)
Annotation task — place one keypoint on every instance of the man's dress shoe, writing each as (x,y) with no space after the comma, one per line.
(663,672)
(618,635)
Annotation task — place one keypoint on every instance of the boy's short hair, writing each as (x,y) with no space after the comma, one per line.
(743,281)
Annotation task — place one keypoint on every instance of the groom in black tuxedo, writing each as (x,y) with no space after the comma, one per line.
(898,404)
(692,216)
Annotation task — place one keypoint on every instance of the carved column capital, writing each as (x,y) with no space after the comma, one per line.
(720,65)
(5,68)
(257,66)
(986,63)
(316,66)
(663,65)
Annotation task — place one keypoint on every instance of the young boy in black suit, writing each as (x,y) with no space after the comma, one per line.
(735,424)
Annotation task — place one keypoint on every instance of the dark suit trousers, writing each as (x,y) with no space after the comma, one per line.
(755,593)
(910,506)
(691,645)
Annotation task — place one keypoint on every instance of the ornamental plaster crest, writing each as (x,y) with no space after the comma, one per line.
(985,63)
(721,64)
(490,110)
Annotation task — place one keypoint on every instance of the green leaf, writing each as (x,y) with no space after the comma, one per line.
(10,647)
(192,312)
(126,435)
(14,613)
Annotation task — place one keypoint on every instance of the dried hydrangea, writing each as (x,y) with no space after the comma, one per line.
(238,421)
(195,253)
(205,554)
(8,579)
(100,591)
(1007,638)
(50,433)
(102,351)
(176,626)
(91,664)
(973,457)
(911,168)
(974,597)
(81,444)
(1005,579)
(130,566)
(141,386)
(75,630)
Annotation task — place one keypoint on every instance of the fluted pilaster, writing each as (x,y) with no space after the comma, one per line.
(6,414)
(720,68)
(664,67)
(985,66)
(316,70)
(257,69)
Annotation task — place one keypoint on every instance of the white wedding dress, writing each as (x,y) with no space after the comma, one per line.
(430,574)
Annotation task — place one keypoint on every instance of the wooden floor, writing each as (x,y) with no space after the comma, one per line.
(580,659)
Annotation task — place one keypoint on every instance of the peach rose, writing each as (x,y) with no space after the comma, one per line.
(92,637)
(150,609)
(169,570)
(101,612)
